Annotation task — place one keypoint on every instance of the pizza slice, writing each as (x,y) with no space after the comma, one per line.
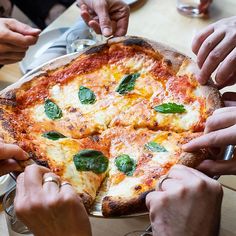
(138,158)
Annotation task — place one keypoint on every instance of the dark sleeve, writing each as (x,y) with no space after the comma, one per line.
(36,10)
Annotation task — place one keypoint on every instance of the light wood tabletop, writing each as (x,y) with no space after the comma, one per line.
(157,20)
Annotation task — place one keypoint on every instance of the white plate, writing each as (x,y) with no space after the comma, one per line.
(130,1)
(6,183)
(44,42)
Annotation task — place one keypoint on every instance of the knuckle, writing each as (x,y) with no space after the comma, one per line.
(200,185)
(52,202)
(215,56)
(31,168)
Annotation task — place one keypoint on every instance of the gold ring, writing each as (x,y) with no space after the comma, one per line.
(65,183)
(51,179)
(161,181)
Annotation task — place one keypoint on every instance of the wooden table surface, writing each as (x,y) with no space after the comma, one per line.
(157,20)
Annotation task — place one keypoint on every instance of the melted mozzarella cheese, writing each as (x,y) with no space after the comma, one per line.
(124,188)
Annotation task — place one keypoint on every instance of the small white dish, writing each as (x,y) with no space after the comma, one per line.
(6,183)
(44,42)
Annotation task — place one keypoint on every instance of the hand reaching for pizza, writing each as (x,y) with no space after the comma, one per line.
(215,48)
(48,209)
(10,153)
(15,38)
(220,131)
(188,199)
(109,17)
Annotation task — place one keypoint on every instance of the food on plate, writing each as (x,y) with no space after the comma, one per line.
(112,121)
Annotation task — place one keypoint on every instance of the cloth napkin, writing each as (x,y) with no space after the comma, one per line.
(58,48)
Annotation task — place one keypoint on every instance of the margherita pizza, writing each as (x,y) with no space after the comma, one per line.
(111,121)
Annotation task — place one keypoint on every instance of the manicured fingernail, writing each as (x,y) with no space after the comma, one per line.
(107,31)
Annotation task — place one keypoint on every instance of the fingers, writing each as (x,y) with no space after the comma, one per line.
(217,138)
(102,12)
(22,28)
(7,166)
(224,110)
(200,38)
(20,186)
(229,96)
(227,69)
(9,151)
(122,26)
(51,187)
(34,178)
(6,48)
(220,120)
(219,167)
(208,45)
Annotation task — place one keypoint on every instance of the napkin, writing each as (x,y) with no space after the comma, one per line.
(58,48)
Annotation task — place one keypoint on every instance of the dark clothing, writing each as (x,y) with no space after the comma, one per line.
(37,10)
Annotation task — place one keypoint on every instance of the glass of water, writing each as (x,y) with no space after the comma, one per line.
(194,8)
(79,39)
(15,226)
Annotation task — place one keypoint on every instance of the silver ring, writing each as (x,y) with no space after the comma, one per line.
(65,183)
(51,179)
(161,181)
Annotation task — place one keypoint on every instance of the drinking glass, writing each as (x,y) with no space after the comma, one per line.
(15,226)
(193,8)
(79,39)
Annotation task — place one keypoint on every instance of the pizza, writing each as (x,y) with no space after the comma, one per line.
(111,121)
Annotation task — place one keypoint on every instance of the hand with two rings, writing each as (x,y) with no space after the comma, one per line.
(184,199)
(49,206)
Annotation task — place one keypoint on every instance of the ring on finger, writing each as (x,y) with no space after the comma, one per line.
(65,183)
(51,179)
(161,181)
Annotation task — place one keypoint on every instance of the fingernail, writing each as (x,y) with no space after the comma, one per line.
(26,156)
(106,31)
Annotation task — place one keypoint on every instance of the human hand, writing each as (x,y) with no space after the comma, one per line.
(15,38)
(215,47)
(48,209)
(111,17)
(10,154)
(204,5)
(220,131)
(188,204)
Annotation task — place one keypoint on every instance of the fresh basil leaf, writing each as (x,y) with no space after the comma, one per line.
(125,164)
(155,147)
(91,160)
(52,110)
(53,135)
(86,95)
(170,108)
(127,83)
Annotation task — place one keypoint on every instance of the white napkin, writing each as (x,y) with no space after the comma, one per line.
(58,48)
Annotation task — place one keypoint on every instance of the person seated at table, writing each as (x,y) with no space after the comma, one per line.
(42,12)
(187,203)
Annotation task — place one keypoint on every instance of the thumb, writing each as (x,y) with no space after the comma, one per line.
(104,19)
(219,167)
(23,29)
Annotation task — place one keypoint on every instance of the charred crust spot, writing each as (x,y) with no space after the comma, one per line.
(8,102)
(34,157)
(168,62)
(138,187)
(96,49)
(11,95)
(142,197)
(137,42)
